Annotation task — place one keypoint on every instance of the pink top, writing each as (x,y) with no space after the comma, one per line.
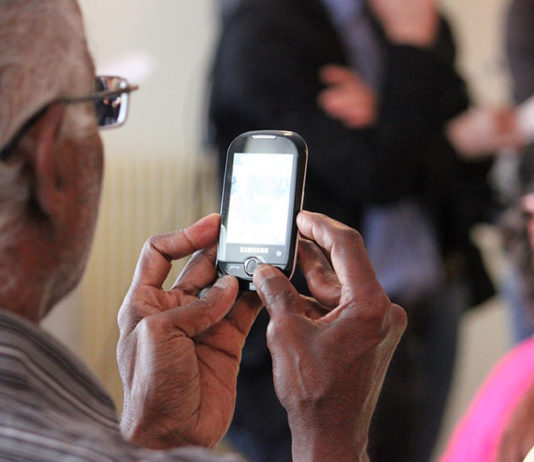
(478,435)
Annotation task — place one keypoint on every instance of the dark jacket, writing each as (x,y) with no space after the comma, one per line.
(520,48)
(265,76)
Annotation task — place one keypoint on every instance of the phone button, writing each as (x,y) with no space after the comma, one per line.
(251,264)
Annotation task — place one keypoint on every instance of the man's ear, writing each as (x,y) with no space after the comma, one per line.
(44,160)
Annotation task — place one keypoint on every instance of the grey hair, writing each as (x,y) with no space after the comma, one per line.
(43,57)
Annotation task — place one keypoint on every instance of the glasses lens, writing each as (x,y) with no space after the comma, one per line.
(111,111)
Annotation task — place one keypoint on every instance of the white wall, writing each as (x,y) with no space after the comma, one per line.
(175,37)
(478,27)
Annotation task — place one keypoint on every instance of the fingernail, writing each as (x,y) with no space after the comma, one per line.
(301,216)
(265,270)
(222,283)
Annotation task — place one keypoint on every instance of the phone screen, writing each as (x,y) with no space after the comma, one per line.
(262,195)
(260,198)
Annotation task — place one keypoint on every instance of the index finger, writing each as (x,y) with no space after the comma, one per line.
(276,292)
(346,250)
(245,311)
(199,271)
(320,277)
(159,251)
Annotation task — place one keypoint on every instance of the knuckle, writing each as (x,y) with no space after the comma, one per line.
(129,312)
(276,291)
(277,297)
(279,328)
(268,283)
(399,317)
(152,241)
(351,235)
(153,328)
(151,325)
(338,229)
(203,303)
(151,245)
(318,218)
(158,242)
(391,319)
(375,309)
(123,316)
(328,276)
(372,315)
(342,230)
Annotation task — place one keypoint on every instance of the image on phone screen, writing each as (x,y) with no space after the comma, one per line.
(260,199)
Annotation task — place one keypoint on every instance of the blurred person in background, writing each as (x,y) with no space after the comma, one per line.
(498,425)
(518,286)
(508,134)
(370,85)
(226,7)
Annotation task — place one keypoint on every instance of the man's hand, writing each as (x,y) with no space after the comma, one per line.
(408,22)
(348,98)
(179,351)
(330,353)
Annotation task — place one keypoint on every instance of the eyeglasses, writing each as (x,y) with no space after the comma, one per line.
(110,98)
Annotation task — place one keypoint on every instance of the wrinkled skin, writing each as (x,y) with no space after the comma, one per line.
(331,352)
(179,351)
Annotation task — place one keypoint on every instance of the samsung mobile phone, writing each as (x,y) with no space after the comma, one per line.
(262,194)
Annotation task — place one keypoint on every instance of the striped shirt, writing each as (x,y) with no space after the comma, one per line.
(52,408)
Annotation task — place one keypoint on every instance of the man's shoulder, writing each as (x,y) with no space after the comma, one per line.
(46,369)
(52,408)
(50,401)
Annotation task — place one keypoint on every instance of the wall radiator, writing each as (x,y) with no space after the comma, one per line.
(141,196)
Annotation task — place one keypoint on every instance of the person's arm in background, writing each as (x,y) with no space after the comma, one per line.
(422,89)
(484,131)
(267,74)
(331,352)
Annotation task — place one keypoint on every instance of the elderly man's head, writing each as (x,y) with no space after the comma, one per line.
(51,175)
